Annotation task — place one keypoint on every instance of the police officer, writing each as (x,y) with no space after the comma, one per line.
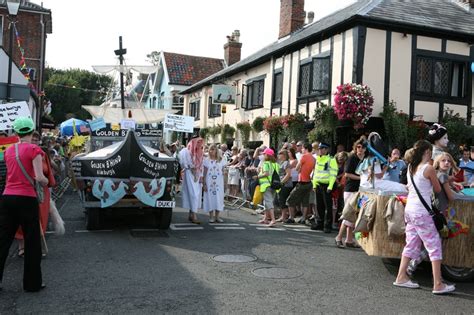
(324,177)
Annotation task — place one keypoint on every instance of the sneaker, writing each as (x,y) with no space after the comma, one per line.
(412,265)
(290,221)
(301,220)
(211,220)
(219,220)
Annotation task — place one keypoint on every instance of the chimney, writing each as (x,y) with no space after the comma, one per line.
(292,16)
(310,17)
(232,48)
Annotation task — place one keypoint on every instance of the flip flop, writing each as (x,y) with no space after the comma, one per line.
(448,288)
(352,245)
(409,284)
(21,253)
(339,244)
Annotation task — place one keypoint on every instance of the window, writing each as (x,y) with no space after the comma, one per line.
(195,109)
(314,78)
(1,30)
(253,94)
(214,110)
(277,88)
(441,77)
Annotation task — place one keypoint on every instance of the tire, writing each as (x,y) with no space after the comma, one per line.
(93,218)
(163,218)
(457,274)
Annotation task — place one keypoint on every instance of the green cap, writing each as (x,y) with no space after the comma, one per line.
(23,125)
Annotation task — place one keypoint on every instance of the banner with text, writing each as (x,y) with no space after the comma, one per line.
(11,111)
(178,123)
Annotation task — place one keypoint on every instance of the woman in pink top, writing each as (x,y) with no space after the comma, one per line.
(420,228)
(20,206)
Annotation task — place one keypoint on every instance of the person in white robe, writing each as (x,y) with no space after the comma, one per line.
(213,184)
(191,160)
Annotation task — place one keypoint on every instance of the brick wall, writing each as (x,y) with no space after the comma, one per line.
(232,51)
(292,16)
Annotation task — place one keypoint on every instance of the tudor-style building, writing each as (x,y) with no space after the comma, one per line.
(416,53)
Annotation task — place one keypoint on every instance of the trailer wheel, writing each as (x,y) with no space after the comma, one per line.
(457,274)
(163,218)
(93,218)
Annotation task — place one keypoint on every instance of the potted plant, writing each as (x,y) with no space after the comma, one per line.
(227,132)
(257,124)
(214,131)
(244,128)
(354,102)
(203,133)
(294,126)
(273,125)
(325,122)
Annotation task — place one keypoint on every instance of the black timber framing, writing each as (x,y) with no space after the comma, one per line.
(343,56)
(388,63)
(331,61)
(414,43)
(359,37)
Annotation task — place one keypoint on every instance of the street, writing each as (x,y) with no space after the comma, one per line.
(131,268)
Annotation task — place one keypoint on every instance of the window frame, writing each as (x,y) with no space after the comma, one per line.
(248,96)
(277,102)
(2,21)
(210,105)
(195,109)
(431,95)
(314,94)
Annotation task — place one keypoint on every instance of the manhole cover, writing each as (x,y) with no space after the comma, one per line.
(276,273)
(234,258)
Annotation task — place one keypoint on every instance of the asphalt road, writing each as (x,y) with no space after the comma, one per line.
(130,268)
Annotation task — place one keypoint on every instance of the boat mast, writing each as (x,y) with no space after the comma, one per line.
(120,52)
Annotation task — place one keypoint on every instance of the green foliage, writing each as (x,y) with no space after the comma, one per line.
(244,128)
(400,131)
(257,124)
(325,122)
(214,131)
(229,131)
(458,133)
(69,89)
(203,133)
(294,126)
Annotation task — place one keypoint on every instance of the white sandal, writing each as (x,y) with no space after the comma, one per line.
(447,289)
(409,284)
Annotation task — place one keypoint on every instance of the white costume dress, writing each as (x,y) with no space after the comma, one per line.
(214,196)
(192,189)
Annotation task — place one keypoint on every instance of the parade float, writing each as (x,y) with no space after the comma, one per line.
(378,212)
(125,175)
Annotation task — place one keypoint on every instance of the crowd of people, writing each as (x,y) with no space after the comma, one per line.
(314,186)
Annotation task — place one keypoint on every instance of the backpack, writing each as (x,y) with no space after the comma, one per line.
(275,182)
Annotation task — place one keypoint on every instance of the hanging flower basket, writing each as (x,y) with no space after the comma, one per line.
(294,126)
(354,102)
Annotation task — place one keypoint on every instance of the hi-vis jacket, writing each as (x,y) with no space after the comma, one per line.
(325,171)
(266,182)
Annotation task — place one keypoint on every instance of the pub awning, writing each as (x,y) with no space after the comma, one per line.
(139,115)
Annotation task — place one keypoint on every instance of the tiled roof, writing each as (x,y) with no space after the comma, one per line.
(187,70)
(27,6)
(428,15)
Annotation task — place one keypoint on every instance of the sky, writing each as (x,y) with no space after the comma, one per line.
(86,32)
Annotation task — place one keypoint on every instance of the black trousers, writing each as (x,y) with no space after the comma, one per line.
(324,206)
(22,211)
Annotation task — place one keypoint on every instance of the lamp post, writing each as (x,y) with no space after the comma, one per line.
(13,7)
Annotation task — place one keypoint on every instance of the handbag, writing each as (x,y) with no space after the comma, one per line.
(36,185)
(438,218)
(276,182)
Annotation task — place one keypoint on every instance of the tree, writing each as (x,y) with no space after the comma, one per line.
(69,89)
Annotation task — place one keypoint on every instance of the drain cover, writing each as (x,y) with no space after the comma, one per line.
(234,258)
(276,273)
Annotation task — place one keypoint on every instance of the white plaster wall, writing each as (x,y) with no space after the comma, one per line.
(294,83)
(429,43)
(336,62)
(304,53)
(326,45)
(374,66)
(279,63)
(429,110)
(459,48)
(348,56)
(400,71)
(457,109)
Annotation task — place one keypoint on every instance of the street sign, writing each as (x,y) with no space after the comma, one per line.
(127,124)
(223,94)
(178,123)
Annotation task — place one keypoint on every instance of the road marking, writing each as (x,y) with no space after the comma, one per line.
(270,229)
(144,230)
(304,230)
(258,224)
(224,224)
(183,224)
(87,231)
(296,226)
(49,232)
(180,228)
(229,228)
